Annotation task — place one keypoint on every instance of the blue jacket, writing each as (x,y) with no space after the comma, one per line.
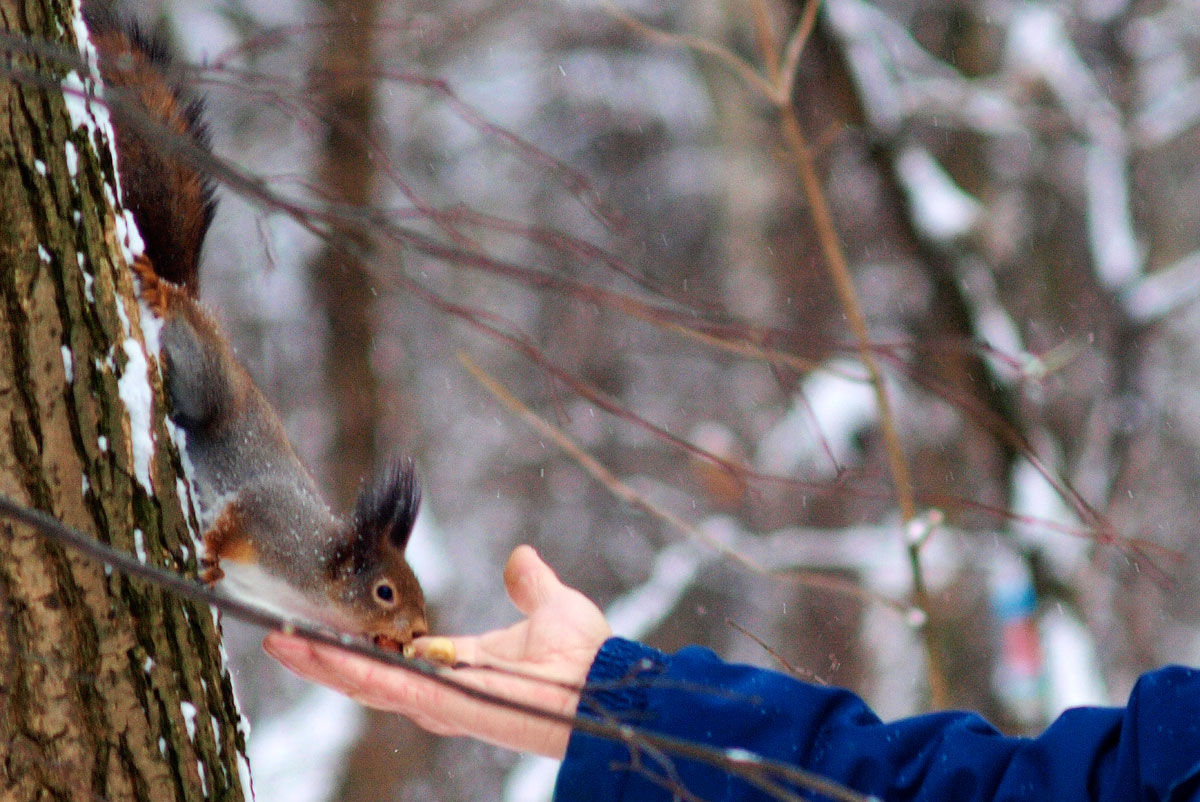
(1148,751)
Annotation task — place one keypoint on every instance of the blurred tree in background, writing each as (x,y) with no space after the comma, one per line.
(609,213)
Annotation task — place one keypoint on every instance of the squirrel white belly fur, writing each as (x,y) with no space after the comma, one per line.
(268,535)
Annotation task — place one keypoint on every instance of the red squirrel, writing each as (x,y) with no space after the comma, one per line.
(268,535)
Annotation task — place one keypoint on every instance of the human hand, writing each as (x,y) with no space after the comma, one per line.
(557,641)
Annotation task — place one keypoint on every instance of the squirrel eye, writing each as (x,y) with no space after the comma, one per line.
(385,593)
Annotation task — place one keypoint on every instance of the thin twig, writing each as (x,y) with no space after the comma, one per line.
(777,89)
(839,272)
(710,48)
(795,671)
(636,499)
(764,36)
(795,48)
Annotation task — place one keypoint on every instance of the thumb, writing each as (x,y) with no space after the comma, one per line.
(529,581)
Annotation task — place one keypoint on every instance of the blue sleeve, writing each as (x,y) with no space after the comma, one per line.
(1148,751)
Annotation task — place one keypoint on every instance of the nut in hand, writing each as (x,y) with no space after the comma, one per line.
(439,650)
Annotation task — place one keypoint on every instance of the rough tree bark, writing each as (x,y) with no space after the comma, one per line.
(109,689)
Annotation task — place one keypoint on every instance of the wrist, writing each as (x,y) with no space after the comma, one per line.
(617,679)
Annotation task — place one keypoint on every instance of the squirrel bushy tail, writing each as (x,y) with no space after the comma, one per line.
(171,201)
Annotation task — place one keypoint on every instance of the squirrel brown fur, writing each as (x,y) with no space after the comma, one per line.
(268,535)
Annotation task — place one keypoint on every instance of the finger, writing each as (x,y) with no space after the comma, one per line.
(352,674)
(299,655)
(529,581)
(362,679)
(335,668)
(287,649)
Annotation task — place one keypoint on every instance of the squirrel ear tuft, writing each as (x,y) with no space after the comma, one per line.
(388,509)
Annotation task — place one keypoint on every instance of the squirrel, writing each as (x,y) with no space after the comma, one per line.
(268,536)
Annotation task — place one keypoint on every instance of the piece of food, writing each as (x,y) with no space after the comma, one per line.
(439,650)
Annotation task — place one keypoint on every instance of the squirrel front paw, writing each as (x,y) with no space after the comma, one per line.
(211,573)
(226,539)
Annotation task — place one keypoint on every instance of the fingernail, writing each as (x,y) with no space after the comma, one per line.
(283,648)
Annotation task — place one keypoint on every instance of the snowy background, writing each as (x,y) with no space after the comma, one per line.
(1015,186)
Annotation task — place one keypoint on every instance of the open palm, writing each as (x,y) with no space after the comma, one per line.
(557,641)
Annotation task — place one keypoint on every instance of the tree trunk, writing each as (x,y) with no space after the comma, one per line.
(344,87)
(344,84)
(110,689)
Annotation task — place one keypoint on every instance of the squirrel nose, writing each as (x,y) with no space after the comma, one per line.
(419,627)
